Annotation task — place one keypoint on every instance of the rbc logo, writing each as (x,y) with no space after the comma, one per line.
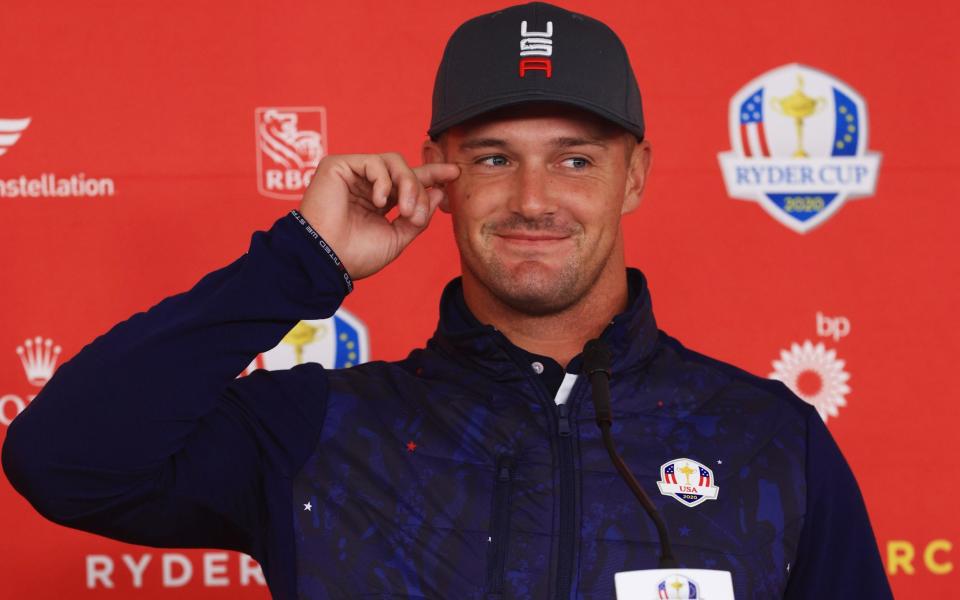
(799,139)
(290,144)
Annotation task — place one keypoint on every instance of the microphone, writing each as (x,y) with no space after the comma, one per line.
(596,365)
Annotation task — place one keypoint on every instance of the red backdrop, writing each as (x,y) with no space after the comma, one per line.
(156,105)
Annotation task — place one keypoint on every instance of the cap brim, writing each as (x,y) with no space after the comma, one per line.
(514,99)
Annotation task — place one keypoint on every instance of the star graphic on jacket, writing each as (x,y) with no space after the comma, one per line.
(308,506)
(684,531)
(411,446)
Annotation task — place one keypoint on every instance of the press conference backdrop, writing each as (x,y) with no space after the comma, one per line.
(800,220)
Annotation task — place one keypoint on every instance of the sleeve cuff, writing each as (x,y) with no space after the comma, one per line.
(325,247)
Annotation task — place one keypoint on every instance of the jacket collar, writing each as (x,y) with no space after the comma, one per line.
(632,335)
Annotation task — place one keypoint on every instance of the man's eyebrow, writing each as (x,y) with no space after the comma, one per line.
(567,142)
(477,143)
(560,142)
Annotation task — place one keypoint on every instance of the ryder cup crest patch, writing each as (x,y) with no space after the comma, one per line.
(690,482)
(799,146)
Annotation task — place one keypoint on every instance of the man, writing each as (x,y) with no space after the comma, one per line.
(472,469)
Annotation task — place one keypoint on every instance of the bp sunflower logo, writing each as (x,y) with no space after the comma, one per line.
(815,374)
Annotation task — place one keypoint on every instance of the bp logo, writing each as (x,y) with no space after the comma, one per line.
(799,146)
(336,343)
(678,586)
(816,375)
(690,482)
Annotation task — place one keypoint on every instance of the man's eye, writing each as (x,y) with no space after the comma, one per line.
(577,162)
(493,161)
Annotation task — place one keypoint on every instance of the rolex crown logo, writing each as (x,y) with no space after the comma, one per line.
(39,359)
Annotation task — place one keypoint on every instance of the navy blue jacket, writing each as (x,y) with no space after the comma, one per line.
(146,436)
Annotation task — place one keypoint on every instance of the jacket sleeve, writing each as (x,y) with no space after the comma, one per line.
(146,436)
(837,554)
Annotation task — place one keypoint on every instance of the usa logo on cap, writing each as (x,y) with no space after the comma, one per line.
(690,482)
(535,49)
(799,139)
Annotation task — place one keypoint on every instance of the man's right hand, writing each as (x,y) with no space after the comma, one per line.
(348,199)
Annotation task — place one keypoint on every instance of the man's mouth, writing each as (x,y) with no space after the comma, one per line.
(532,236)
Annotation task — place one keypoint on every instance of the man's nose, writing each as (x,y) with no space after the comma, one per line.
(531,196)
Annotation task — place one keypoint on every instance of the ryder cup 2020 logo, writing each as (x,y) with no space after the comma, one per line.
(678,586)
(290,144)
(336,343)
(689,482)
(799,139)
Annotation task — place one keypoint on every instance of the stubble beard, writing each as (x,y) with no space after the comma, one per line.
(533,288)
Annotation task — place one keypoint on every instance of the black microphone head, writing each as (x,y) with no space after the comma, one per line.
(596,357)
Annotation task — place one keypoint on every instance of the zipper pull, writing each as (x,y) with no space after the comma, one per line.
(504,467)
(564,420)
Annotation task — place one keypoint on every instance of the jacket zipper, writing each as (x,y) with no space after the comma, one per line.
(567,473)
(567,516)
(499,527)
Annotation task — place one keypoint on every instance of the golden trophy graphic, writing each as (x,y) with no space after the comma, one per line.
(301,335)
(798,106)
(687,471)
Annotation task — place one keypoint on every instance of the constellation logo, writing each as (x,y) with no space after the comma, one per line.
(39,360)
(290,144)
(10,132)
(46,185)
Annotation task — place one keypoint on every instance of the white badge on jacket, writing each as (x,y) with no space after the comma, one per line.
(690,584)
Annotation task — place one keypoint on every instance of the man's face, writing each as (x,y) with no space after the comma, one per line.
(536,209)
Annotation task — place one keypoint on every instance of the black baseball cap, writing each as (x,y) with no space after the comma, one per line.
(535,52)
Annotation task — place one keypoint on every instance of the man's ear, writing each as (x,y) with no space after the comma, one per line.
(432,152)
(637,170)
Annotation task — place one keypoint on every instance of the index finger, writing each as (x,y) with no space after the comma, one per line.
(432,174)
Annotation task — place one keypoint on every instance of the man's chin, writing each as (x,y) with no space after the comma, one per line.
(535,288)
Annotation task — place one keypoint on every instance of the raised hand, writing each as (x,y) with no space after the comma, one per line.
(350,195)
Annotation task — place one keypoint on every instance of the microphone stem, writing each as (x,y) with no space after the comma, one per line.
(599,381)
(667,560)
